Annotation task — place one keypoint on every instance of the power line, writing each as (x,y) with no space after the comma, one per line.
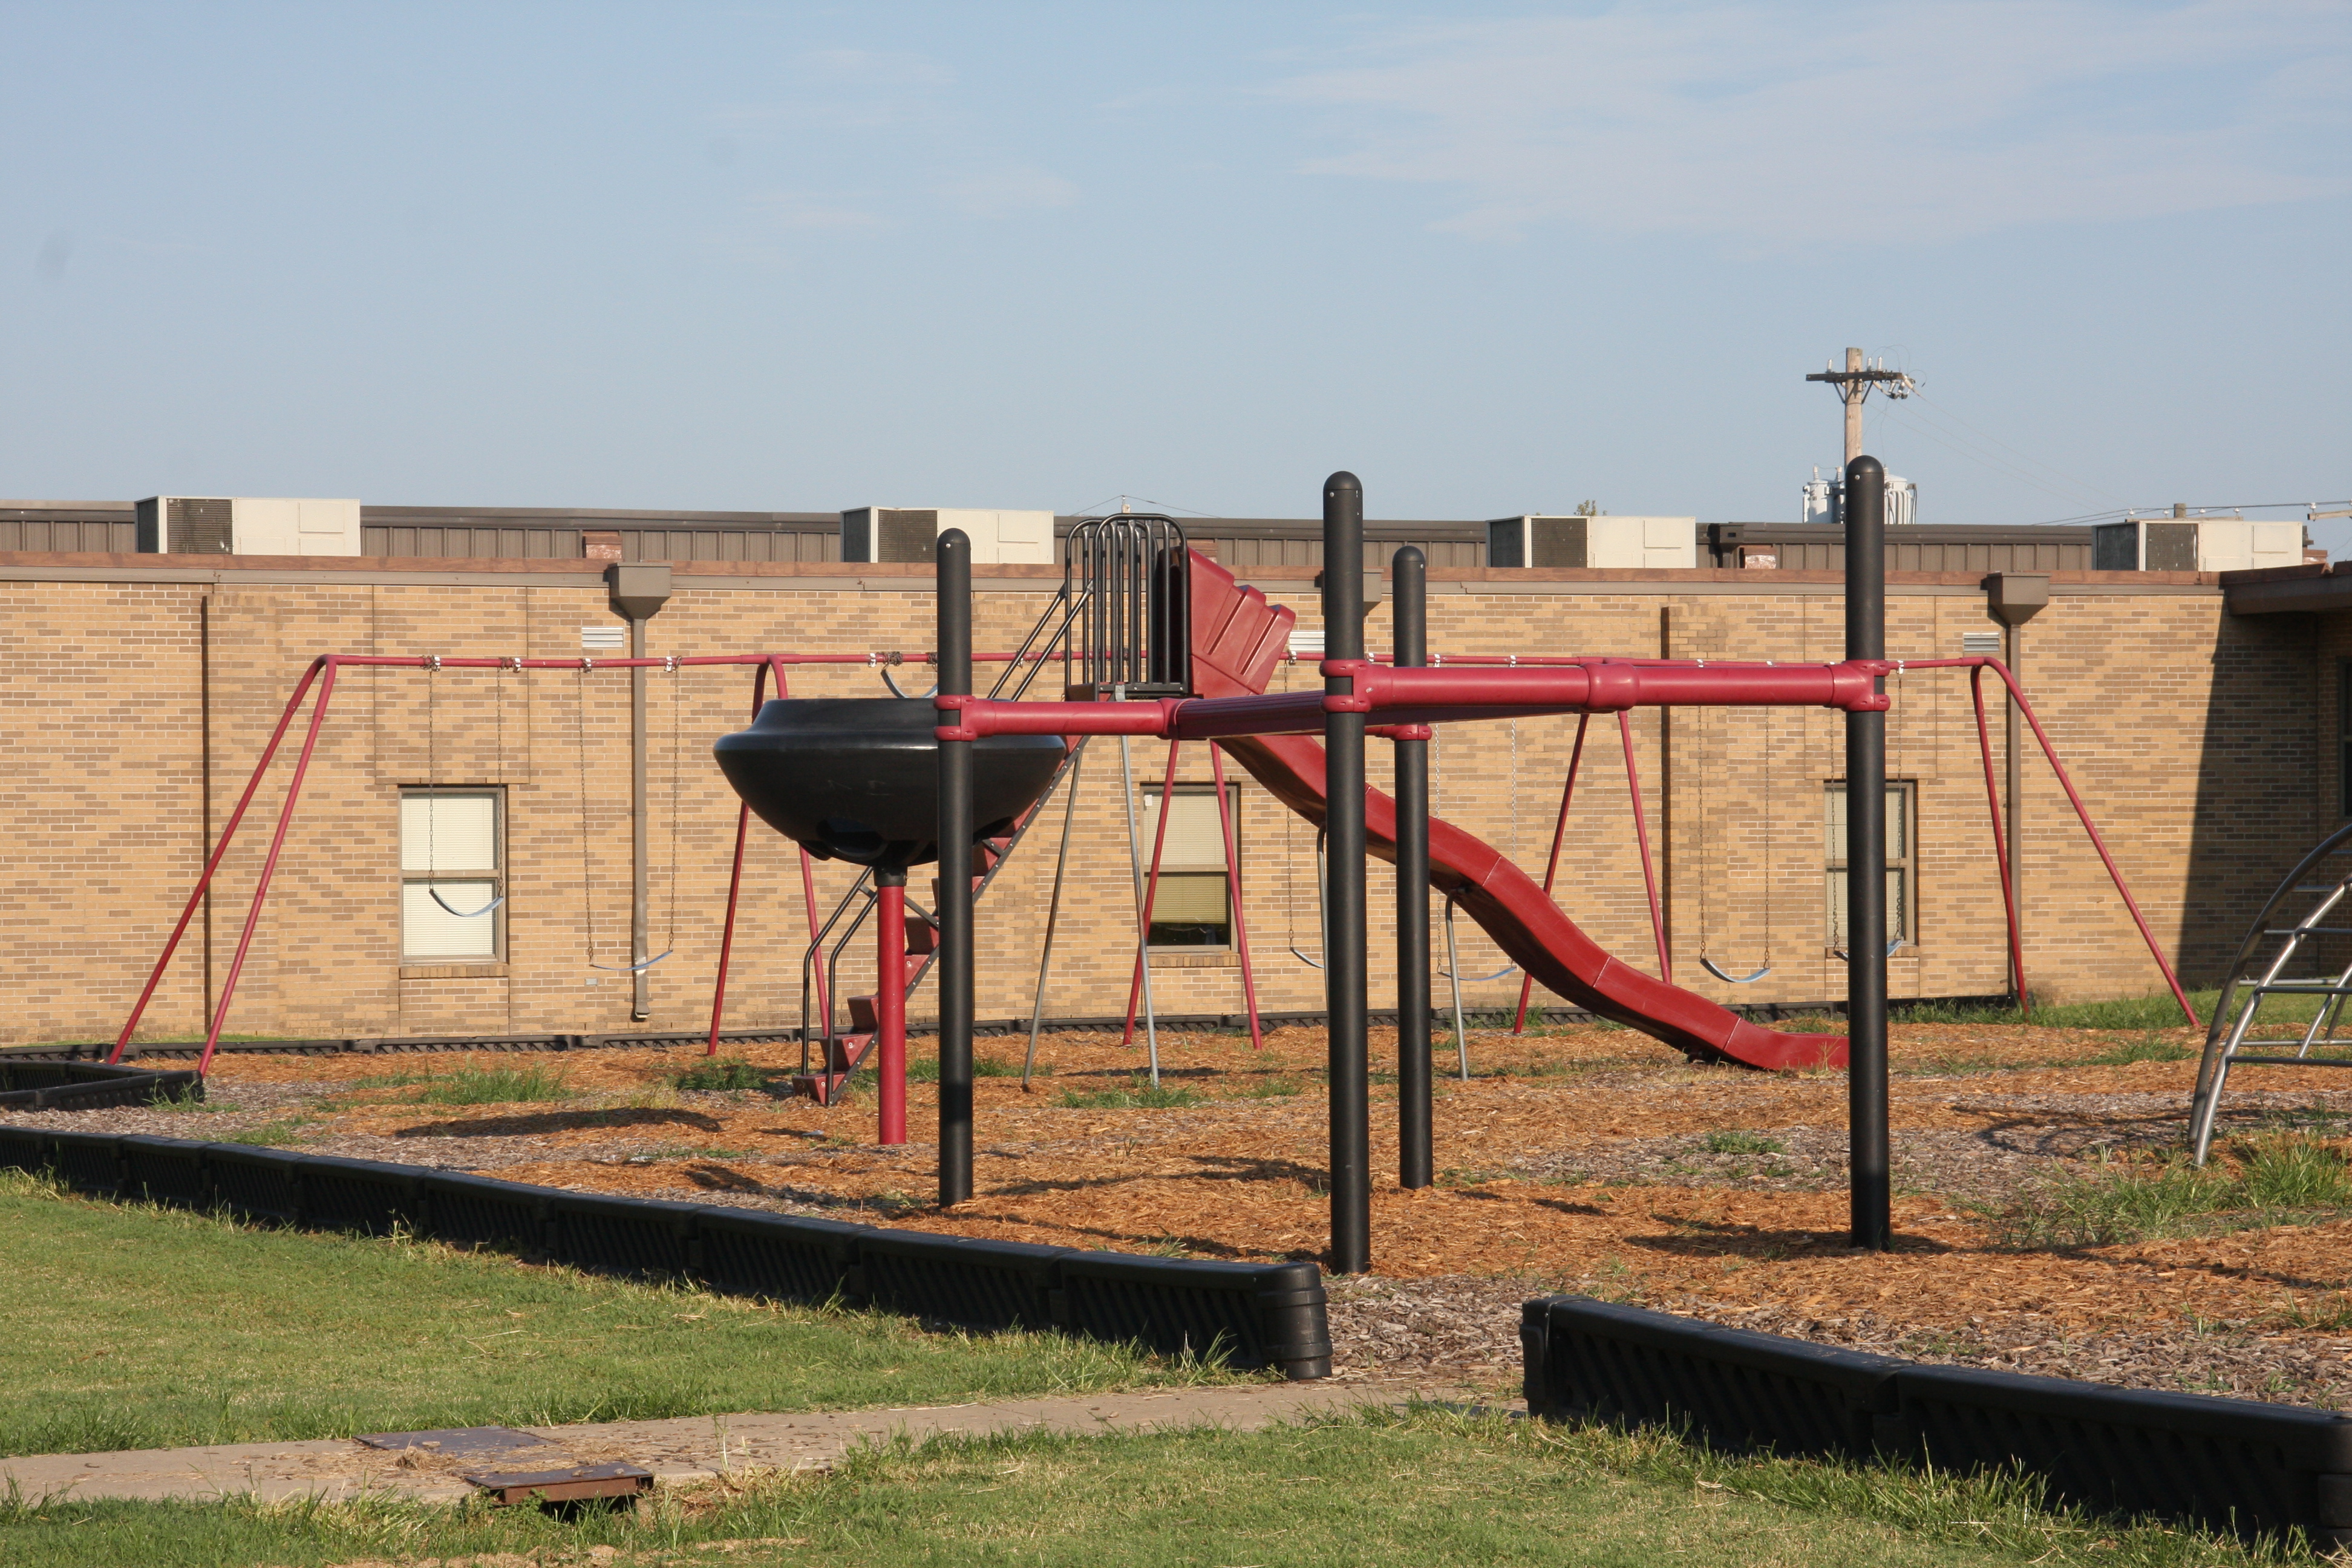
(2027,457)
(1122,500)
(1960,446)
(2192,508)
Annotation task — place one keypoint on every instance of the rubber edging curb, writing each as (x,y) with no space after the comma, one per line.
(2238,1465)
(1259,1315)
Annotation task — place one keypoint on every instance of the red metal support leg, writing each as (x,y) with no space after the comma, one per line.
(808,882)
(726,932)
(1999,846)
(1552,867)
(735,874)
(269,863)
(1233,891)
(890,1003)
(808,902)
(2083,815)
(1150,892)
(1642,831)
(212,864)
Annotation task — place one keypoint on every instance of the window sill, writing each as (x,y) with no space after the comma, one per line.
(452,971)
(1195,958)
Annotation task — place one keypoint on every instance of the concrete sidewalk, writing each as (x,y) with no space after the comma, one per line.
(681,1450)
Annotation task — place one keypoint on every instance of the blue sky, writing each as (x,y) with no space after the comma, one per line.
(807,257)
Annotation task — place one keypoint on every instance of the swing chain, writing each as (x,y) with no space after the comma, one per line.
(580,755)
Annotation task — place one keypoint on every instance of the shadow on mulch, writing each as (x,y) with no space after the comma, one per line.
(1212,1167)
(563,1122)
(1717,1238)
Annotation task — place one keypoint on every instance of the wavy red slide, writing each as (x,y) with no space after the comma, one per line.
(1237,637)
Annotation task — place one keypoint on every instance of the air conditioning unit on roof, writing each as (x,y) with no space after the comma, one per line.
(1592,543)
(2195,544)
(247,525)
(912,534)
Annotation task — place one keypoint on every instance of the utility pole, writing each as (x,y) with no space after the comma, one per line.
(1855,384)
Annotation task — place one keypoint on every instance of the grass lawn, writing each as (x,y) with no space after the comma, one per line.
(1423,1487)
(134,1327)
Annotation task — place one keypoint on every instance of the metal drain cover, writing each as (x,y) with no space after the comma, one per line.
(564,1486)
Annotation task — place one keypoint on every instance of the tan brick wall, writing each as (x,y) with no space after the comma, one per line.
(2203,744)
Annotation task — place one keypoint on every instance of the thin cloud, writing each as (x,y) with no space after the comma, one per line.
(794,213)
(1000,193)
(1765,124)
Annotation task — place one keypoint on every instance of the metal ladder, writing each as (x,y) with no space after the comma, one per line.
(2259,972)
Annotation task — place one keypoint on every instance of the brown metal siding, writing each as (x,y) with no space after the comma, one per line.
(728,544)
(96,535)
(1289,544)
(1812,547)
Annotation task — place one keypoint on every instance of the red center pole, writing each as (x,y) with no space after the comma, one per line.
(890,1003)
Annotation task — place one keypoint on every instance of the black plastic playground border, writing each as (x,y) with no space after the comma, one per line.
(37,1085)
(1442,1018)
(2233,1465)
(1254,1315)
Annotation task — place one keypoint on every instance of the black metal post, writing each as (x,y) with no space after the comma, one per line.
(1409,602)
(1345,959)
(1865,864)
(955,875)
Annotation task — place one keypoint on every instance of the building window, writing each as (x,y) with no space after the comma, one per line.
(1193,905)
(1902,885)
(2344,736)
(452,876)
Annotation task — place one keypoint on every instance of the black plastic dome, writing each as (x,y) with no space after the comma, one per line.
(857,779)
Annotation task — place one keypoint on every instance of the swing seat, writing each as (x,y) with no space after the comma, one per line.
(1898,945)
(1473,979)
(435,894)
(633,968)
(1729,979)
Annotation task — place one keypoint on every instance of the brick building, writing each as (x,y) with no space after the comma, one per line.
(2204,720)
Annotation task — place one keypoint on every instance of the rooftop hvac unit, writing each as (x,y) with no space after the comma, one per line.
(1592,542)
(912,534)
(2195,544)
(247,525)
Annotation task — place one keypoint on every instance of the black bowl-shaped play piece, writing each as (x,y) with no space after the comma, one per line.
(859,779)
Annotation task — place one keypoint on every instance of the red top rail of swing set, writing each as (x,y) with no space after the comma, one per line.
(1551,685)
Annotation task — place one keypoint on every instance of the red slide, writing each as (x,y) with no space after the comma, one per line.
(1238,638)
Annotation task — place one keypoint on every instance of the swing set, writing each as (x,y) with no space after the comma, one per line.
(320,679)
